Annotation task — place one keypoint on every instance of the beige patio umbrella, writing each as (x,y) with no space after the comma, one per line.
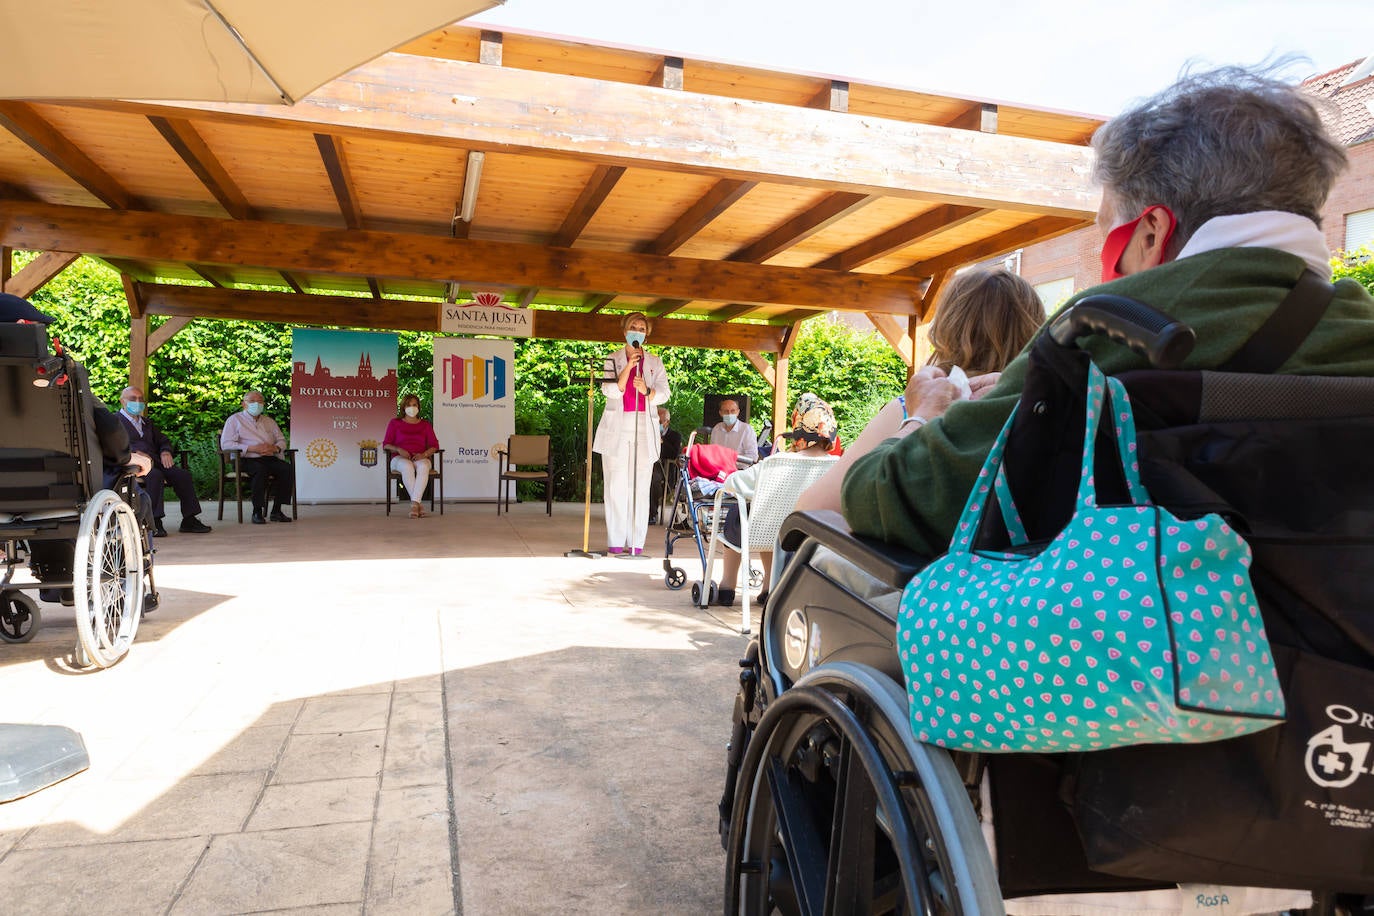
(263,51)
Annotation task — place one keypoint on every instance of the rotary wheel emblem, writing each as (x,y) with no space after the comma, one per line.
(321,453)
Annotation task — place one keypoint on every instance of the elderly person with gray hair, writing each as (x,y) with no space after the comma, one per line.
(147,440)
(259,438)
(1211,195)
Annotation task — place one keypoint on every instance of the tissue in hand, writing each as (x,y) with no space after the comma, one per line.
(960,380)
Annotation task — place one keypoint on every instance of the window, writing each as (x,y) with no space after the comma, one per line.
(1053,293)
(1359,230)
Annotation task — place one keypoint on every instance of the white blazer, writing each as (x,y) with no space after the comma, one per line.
(614,418)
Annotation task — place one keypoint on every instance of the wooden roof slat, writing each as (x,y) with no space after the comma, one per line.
(1035,230)
(181,135)
(199,240)
(21,120)
(35,274)
(829,211)
(597,189)
(711,205)
(409,315)
(932,222)
(336,166)
(488,108)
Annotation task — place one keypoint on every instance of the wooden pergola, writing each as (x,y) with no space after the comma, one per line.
(727,202)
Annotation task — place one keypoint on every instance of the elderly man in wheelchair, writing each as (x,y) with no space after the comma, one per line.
(69,499)
(1063,713)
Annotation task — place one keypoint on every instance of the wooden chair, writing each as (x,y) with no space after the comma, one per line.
(436,481)
(535,455)
(231,471)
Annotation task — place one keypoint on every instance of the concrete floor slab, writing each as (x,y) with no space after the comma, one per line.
(521,733)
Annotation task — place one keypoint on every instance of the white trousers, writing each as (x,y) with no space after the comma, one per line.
(627,494)
(414,475)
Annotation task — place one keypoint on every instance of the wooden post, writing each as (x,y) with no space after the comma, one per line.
(6,266)
(781,407)
(138,352)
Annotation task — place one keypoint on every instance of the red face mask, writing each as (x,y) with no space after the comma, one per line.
(1117,240)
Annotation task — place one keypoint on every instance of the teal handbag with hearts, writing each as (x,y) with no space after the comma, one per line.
(1131,626)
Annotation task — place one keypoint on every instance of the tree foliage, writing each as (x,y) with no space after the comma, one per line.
(198,377)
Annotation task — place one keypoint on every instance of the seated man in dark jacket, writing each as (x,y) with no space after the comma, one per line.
(146,439)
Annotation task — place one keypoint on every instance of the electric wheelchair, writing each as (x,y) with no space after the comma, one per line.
(831,806)
(70,512)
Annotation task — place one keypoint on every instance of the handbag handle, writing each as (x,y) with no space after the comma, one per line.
(992,481)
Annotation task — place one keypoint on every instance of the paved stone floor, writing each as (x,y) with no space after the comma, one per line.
(363,714)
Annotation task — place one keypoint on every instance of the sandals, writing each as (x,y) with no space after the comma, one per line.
(416,511)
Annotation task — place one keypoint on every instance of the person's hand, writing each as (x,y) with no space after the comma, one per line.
(929,393)
(402,453)
(640,385)
(982,384)
(166,459)
(636,354)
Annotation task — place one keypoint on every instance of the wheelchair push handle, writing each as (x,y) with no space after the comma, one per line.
(1163,340)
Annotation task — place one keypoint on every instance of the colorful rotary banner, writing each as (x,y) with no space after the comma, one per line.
(474,411)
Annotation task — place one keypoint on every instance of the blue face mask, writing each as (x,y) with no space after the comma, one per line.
(134,408)
(254,409)
(634,337)
(729,419)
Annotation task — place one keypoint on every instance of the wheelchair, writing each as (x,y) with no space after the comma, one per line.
(831,806)
(74,515)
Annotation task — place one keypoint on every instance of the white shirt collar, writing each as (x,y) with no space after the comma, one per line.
(1288,232)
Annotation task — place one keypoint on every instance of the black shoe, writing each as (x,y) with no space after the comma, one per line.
(258,519)
(150,603)
(725,597)
(158,530)
(762,599)
(193,525)
(279,516)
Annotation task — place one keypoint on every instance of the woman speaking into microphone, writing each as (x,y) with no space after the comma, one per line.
(627,436)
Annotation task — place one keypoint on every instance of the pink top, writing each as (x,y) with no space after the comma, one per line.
(413,437)
(632,399)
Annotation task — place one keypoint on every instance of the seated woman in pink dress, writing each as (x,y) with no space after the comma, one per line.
(411,443)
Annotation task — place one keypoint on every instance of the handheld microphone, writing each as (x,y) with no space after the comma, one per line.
(637,345)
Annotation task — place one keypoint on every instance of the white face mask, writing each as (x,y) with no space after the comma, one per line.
(729,419)
(412,410)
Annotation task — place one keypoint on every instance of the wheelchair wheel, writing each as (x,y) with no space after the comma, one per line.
(108,578)
(19,617)
(839,810)
(675,578)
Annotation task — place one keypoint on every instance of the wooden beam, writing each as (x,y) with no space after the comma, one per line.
(367,253)
(138,347)
(25,123)
(926,307)
(594,304)
(796,316)
(1036,230)
(829,211)
(834,97)
(465,105)
(928,224)
(137,306)
(668,74)
(526,296)
(593,195)
(182,136)
(782,410)
(6,267)
(789,340)
(208,275)
(292,282)
(761,365)
(664,307)
(409,315)
(730,312)
(374,287)
(165,332)
(711,204)
(12,192)
(37,272)
(895,332)
(336,165)
(981,116)
(489,48)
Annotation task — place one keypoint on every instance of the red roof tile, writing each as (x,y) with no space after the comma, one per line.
(1351,117)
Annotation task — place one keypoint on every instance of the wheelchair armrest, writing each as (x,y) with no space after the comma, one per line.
(890,563)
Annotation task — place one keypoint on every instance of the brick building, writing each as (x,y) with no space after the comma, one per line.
(1064,265)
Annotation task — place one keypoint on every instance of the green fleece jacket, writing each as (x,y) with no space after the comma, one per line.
(911,490)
